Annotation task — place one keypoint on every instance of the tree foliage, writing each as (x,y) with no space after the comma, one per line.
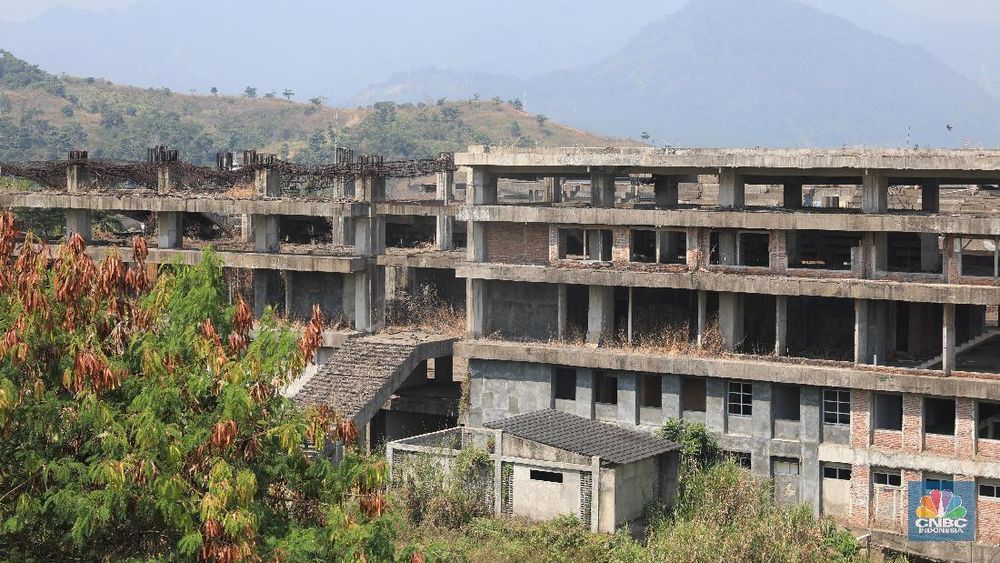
(139,419)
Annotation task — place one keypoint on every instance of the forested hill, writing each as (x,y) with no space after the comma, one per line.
(43,116)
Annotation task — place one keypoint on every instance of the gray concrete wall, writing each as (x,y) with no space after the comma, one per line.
(319,288)
(502,389)
(522,310)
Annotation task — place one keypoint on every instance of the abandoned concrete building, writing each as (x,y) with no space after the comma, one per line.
(550,463)
(831,314)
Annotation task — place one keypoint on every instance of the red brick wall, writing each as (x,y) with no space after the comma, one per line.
(938,444)
(553,243)
(517,243)
(777,246)
(965,427)
(988,449)
(621,244)
(860,418)
(860,494)
(912,422)
(904,513)
(988,520)
(887,439)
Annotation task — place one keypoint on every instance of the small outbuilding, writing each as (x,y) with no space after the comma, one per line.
(548,463)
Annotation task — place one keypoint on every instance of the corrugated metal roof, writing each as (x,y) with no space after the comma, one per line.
(583,436)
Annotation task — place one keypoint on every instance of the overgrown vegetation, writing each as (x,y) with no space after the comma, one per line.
(139,419)
(425,310)
(445,495)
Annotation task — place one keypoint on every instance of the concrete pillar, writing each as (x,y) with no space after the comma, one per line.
(446,186)
(731,319)
(860,331)
(363,318)
(369,235)
(728,251)
(732,189)
(874,192)
(169,229)
(444,235)
(791,248)
(268,182)
(475,308)
(553,189)
(596,247)
(792,195)
(930,254)
(164,180)
(948,339)
(761,423)
(715,405)
(951,260)
(670,401)
(482,187)
(602,189)
(874,253)
(781,325)
(476,242)
(697,254)
(265,286)
(930,196)
(585,393)
(563,304)
(77,175)
(265,233)
(344,231)
(78,222)
(628,399)
(702,317)
(246,228)
(289,293)
(666,190)
(600,314)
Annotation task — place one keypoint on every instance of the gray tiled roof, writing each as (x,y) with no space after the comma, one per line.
(583,436)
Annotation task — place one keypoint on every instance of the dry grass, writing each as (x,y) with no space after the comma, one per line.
(425,311)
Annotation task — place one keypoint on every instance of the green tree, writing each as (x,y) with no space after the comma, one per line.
(139,419)
(541,119)
(287,93)
(700,448)
(214,91)
(250,92)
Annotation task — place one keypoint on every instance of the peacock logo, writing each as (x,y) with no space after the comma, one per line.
(941,504)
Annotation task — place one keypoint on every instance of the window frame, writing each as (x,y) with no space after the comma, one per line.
(745,397)
(889,478)
(786,462)
(843,418)
(600,377)
(556,386)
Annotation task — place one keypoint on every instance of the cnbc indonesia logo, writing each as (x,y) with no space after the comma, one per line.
(940,515)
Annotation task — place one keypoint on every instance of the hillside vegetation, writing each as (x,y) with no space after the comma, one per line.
(42,116)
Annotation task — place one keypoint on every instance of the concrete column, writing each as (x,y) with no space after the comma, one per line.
(562,306)
(369,235)
(169,229)
(585,393)
(268,182)
(289,293)
(77,176)
(628,399)
(265,286)
(948,339)
(777,243)
(475,308)
(731,319)
(728,251)
(702,317)
(344,231)
(792,195)
(791,248)
(874,253)
(444,234)
(670,387)
(246,228)
(810,414)
(164,181)
(265,233)
(446,187)
(697,254)
(732,189)
(482,187)
(363,320)
(666,191)
(930,196)
(78,222)
(874,192)
(715,404)
(951,260)
(602,189)
(476,242)
(595,245)
(781,326)
(553,189)
(600,314)
(761,422)
(860,331)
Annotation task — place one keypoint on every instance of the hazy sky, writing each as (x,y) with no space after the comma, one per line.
(953,10)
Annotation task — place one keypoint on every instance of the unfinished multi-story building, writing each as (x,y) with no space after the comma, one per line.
(831,314)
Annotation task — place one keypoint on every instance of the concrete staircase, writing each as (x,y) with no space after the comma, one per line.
(960,348)
(364,372)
